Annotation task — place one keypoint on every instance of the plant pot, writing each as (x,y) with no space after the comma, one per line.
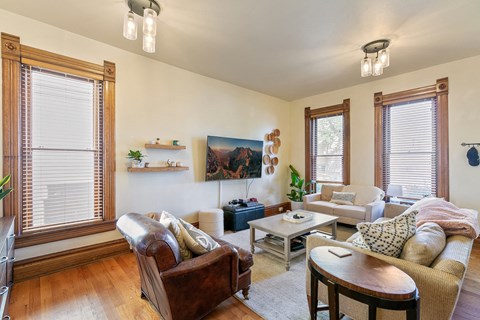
(296,205)
(138,164)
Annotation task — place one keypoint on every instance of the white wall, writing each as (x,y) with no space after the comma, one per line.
(158,100)
(464,123)
(154,99)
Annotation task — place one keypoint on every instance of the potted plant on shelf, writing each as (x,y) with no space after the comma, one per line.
(298,190)
(136,157)
(3,192)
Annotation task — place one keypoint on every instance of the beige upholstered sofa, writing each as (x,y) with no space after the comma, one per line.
(367,206)
(439,284)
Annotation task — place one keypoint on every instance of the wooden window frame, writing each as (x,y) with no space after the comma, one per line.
(13,55)
(311,115)
(439,90)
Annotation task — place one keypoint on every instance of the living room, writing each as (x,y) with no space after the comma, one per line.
(183,100)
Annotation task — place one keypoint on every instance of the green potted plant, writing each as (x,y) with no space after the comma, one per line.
(299,189)
(136,157)
(3,182)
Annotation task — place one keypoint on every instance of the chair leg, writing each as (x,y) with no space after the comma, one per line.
(245,293)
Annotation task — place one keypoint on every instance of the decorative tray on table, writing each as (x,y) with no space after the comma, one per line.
(297,216)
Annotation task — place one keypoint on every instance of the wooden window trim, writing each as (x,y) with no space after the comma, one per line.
(311,114)
(438,90)
(13,54)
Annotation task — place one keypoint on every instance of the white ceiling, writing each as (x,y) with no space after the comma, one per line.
(285,48)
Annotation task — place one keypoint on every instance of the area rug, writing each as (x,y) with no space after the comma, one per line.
(277,294)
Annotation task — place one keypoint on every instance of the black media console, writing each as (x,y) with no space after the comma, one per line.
(235,217)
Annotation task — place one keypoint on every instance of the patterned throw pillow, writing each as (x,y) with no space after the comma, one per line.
(360,243)
(172,223)
(197,240)
(387,237)
(343,197)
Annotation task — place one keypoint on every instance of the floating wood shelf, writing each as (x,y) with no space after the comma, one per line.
(164,146)
(157,169)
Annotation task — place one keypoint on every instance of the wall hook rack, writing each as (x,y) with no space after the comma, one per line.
(464,144)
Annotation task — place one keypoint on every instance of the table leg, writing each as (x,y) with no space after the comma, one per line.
(414,314)
(372,312)
(334,230)
(313,296)
(333,301)
(252,239)
(286,252)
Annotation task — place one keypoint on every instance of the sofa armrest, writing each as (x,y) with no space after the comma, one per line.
(312,197)
(374,210)
(454,258)
(393,209)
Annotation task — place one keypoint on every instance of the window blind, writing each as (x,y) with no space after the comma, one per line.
(62,149)
(327,151)
(409,147)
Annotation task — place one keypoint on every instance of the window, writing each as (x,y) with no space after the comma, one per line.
(410,145)
(327,139)
(62,149)
(60,146)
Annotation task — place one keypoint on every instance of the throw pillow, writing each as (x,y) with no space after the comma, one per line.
(360,243)
(172,224)
(155,216)
(197,240)
(365,194)
(388,237)
(425,245)
(327,190)
(343,198)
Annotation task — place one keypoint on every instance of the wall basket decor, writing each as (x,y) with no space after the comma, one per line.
(272,147)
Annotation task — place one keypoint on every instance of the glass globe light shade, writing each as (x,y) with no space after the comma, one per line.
(384,57)
(130,26)
(366,67)
(149,22)
(377,67)
(148,43)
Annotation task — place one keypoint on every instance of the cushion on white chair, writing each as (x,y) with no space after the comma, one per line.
(365,194)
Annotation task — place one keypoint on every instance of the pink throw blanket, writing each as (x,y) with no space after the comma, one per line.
(452,219)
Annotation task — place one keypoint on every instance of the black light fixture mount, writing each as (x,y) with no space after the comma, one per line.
(138,6)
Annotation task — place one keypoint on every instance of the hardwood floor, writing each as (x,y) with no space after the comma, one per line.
(109,289)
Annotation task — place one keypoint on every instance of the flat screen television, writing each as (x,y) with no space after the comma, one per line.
(230,158)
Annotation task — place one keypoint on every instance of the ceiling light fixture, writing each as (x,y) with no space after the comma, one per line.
(382,60)
(149,10)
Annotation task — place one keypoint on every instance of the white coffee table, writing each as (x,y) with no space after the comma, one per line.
(276,226)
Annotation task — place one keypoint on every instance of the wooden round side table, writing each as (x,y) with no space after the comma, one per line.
(363,278)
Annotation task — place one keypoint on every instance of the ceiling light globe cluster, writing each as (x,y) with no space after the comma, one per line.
(149,22)
(369,67)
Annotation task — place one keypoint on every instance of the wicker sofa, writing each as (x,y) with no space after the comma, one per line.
(439,284)
(367,207)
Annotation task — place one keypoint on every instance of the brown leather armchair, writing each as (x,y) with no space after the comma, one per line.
(187,289)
